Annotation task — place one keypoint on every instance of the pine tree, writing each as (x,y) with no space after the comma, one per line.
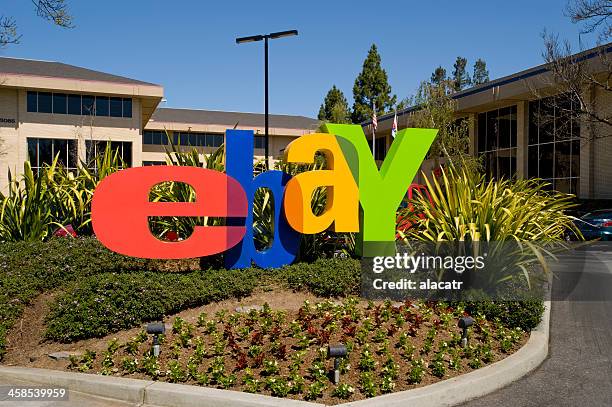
(371,86)
(461,79)
(438,76)
(335,108)
(481,74)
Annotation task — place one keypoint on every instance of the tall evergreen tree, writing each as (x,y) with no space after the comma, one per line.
(335,108)
(371,86)
(481,73)
(438,76)
(461,78)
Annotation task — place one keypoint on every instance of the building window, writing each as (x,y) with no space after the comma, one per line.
(101,106)
(45,102)
(152,163)
(74,104)
(62,103)
(260,142)
(154,137)
(116,107)
(97,148)
(197,139)
(496,141)
(32,102)
(59,103)
(42,151)
(554,143)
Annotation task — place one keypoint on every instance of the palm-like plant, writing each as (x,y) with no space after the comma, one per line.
(468,207)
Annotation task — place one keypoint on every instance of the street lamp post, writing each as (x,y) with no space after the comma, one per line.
(265,38)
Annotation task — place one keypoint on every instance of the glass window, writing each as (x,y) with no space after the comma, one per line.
(32,101)
(45,102)
(98,147)
(59,103)
(482,132)
(558,146)
(74,104)
(42,152)
(534,109)
(260,142)
(33,151)
(87,104)
(497,141)
(147,137)
(151,163)
(127,107)
(533,162)
(116,107)
(217,140)
(575,158)
(45,151)
(563,160)
(546,160)
(503,123)
(101,105)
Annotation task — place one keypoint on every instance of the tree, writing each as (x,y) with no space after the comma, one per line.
(55,11)
(481,73)
(438,76)
(371,86)
(594,15)
(461,79)
(437,111)
(587,90)
(335,108)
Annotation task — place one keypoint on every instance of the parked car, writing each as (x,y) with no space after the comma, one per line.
(595,225)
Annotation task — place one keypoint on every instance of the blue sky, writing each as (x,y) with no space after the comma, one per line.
(189,48)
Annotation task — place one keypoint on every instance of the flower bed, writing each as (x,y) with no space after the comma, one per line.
(391,347)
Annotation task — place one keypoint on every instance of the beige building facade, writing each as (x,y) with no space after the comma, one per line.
(50,109)
(523,125)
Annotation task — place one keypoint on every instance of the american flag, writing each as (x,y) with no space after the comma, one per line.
(374,119)
(394,125)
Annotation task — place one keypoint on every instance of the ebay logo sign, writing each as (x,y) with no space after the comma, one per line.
(360,198)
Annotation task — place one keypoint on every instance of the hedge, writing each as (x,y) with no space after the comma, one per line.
(104,292)
(110,302)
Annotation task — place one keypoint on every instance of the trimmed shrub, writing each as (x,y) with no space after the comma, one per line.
(513,314)
(110,302)
(325,277)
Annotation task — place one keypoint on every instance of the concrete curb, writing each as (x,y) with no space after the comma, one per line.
(446,393)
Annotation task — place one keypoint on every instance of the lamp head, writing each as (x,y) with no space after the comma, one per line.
(156,328)
(337,351)
(465,322)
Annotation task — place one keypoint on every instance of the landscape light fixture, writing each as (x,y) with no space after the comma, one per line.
(465,323)
(337,351)
(156,329)
(265,38)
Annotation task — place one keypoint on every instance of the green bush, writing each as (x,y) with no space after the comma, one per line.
(109,302)
(512,314)
(325,277)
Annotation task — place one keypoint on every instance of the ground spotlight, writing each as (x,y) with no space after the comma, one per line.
(156,329)
(337,351)
(465,323)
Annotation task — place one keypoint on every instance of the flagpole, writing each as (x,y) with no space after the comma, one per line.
(373,131)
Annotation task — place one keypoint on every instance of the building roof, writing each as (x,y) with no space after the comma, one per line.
(505,80)
(172,115)
(30,67)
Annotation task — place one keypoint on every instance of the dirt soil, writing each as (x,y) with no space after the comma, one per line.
(26,345)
